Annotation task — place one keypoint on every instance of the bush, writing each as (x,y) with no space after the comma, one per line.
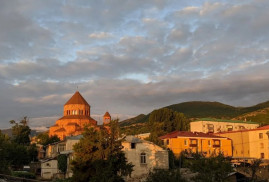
(24,174)
(160,175)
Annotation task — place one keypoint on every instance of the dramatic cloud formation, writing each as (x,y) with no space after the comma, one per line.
(130,57)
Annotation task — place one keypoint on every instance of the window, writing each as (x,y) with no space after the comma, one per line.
(229,128)
(48,164)
(209,143)
(260,135)
(216,143)
(185,142)
(262,155)
(143,158)
(132,145)
(241,127)
(61,148)
(167,142)
(261,145)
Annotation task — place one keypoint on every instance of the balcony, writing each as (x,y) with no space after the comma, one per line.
(216,145)
(193,145)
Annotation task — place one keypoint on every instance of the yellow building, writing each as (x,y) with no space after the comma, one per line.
(206,144)
(209,125)
(252,143)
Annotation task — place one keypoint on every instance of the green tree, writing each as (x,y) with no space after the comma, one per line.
(160,175)
(166,120)
(21,131)
(4,163)
(98,156)
(62,163)
(212,169)
(45,139)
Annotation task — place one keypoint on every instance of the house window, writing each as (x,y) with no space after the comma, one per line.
(143,158)
(241,127)
(229,128)
(61,148)
(48,164)
(185,142)
(260,135)
(262,146)
(209,143)
(167,141)
(132,145)
(262,155)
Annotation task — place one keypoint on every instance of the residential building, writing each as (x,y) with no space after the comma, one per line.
(144,155)
(209,125)
(76,115)
(252,143)
(193,142)
(49,168)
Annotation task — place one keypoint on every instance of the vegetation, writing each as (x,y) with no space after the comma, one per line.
(17,150)
(165,120)
(160,175)
(199,109)
(24,174)
(62,163)
(44,139)
(212,169)
(261,116)
(98,156)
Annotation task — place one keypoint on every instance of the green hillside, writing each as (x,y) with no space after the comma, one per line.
(201,109)
(260,116)
(141,118)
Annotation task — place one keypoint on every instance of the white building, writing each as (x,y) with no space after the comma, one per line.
(209,125)
(144,155)
(49,166)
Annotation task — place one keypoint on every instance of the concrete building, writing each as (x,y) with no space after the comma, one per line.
(208,125)
(76,115)
(144,155)
(49,166)
(252,143)
(192,142)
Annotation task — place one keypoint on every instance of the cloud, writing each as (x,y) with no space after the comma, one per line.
(132,58)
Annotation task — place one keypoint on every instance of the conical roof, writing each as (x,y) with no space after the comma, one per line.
(77,99)
(107,114)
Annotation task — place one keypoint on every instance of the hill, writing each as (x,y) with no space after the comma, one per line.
(9,132)
(260,116)
(202,109)
(141,118)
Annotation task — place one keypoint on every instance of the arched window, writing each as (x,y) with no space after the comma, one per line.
(143,158)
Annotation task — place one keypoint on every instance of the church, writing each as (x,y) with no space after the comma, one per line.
(76,115)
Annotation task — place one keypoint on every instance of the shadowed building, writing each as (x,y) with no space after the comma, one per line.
(76,115)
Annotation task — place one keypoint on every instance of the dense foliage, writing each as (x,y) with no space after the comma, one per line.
(161,175)
(212,169)
(17,150)
(98,156)
(45,139)
(165,120)
(62,162)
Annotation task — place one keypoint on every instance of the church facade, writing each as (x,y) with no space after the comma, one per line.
(76,116)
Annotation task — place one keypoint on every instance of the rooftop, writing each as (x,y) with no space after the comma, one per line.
(176,134)
(77,99)
(247,130)
(224,120)
(107,114)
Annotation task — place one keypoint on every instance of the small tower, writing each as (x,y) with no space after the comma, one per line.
(106,118)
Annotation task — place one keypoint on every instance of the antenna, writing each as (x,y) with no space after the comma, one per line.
(77,87)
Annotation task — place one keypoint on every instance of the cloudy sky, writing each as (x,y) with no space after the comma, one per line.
(130,56)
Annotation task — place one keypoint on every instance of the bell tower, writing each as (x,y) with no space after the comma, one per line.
(106,118)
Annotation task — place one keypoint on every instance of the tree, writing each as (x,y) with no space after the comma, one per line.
(212,169)
(98,156)
(164,121)
(160,175)
(21,131)
(62,163)
(4,163)
(254,167)
(45,139)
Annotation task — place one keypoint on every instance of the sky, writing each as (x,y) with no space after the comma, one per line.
(130,56)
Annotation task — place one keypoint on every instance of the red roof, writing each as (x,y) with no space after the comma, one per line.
(176,134)
(77,99)
(246,130)
(107,114)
